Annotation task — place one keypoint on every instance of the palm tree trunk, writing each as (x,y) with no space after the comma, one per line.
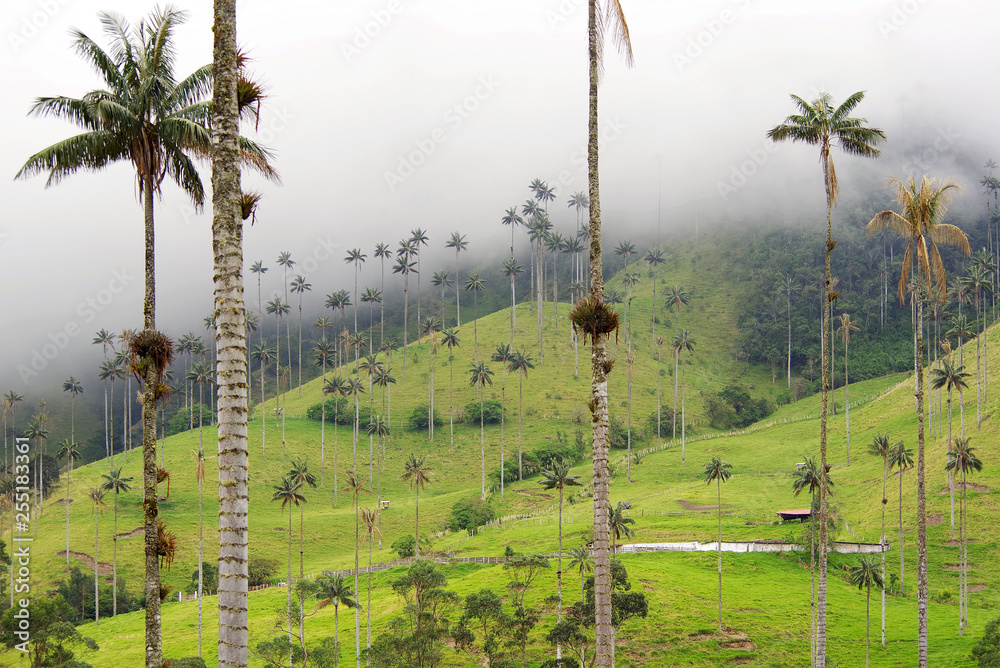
(322,427)
(951,473)
(69,474)
(824,404)
(902,558)
(677,370)
(368,640)
(482,443)
(868,626)
(921,508)
(789,338)
(114,561)
(520,422)
(227,233)
(154,655)
(97,540)
(201,559)
(718,488)
(847,403)
(503,398)
(336,629)
(416,525)
(288,591)
(559,574)
(885,475)
(451,393)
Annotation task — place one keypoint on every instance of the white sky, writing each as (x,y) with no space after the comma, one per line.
(710,77)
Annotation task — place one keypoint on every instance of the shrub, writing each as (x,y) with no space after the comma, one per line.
(492,409)
(469,514)
(987,650)
(418,418)
(734,408)
(405,546)
(666,423)
(618,432)
(260,570)
(209,578)
(182,418)
(341,408)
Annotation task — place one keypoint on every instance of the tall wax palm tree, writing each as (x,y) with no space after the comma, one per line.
(480,376)
(115,483)
(807,477)
(385,380)
(618,523)
(901,458)
(300,287)
(109,371)
(96,495)
(71,453)
(950,378)
(790,287)
(844,328)
(418,238)
(370,520)
(558,477)
(983,261)
(335,590)
(417,474)
(199,474)
(74,387)
(975,281)
(475,285)
(36,430)
(654,258)
(405,267)
(599,19)
(962,458)
(676,297)
(682,343)
(259,269)
(300,474)
(880,447)
(355,388)
(960,330)
(630,280)
(503,355)
(336,386)
(718,471)
(382,252)
(323,350)
(449,337)
(458,242)
(379,428)
(286,262)
(520,363)
(356,485)
(357,258)
(371,296)
(103,338)
(429,327)
(442,279)
(511,268)
(512,219)
(819,123)
(583,562)
(288,491)
(866,575)
(264,354)
(555,244)
(919,223)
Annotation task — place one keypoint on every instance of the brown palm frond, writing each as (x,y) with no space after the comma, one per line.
(248,205)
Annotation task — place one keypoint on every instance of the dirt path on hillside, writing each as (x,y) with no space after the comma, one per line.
(88,561)
(691,506)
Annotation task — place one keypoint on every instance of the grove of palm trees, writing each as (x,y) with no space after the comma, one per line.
(540,486)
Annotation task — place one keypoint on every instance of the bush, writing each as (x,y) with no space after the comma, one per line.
(260,570)
(341,409)
(469,514)
(987,650)
(186,662)
(666,423)
(405,546)
(209,578)
(618,432)
(182,418)
(492,409)
(734,408)
(418,418)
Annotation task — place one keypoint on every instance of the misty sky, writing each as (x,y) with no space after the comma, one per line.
(388,115)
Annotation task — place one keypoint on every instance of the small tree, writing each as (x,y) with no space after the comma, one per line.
(866,575)
(718,471)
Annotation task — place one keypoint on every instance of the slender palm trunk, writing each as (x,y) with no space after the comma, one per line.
(847,403)
(503,403)
(451,393)
(201,546)
(406,315)
(288,591)
(885,501)
(520,423)
(677,370)
(789,339)
(868,625)
(154,654)
(921,508)
(368,638)
(300,346)
(69,474)
(979,408)
(600,365)
(231,345)
(902,558)
(559,573)
(482,443)
(97,540)
(718,488)
(322,428)
(824,404)
(951,473)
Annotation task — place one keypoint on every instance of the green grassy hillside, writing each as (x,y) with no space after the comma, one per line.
(766,597)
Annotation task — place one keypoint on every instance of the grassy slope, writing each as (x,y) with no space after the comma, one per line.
(680,586)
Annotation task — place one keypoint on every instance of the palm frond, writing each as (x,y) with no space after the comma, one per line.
(904,274)
(186,134)
(181,169)
(73,110)
(87,151)
(103,63)
(259,158)
(952,236)
(196,86)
